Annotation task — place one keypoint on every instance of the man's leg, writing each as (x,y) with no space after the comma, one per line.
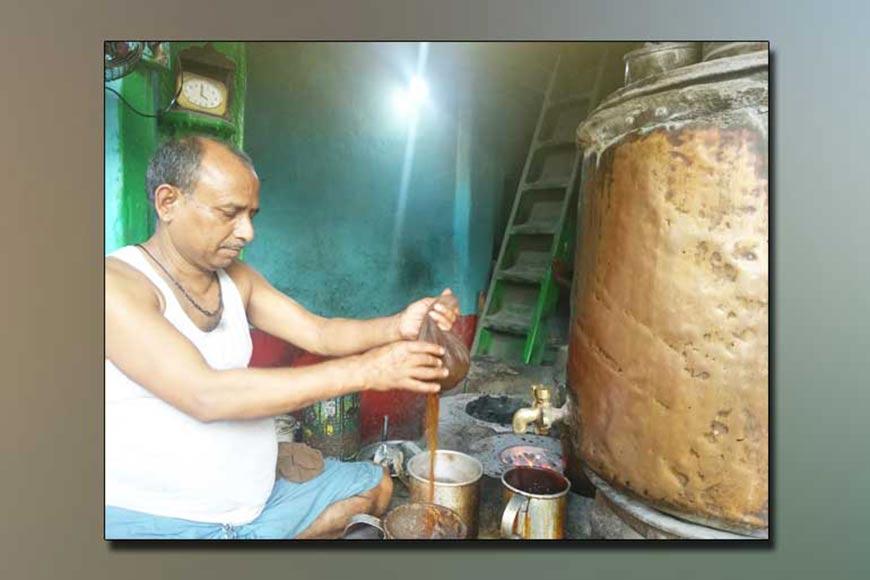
(331,523)
(321,507)
(123,524)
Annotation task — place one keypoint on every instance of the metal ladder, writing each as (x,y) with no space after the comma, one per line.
(523,294)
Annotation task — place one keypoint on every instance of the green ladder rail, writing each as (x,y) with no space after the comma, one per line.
(541,228)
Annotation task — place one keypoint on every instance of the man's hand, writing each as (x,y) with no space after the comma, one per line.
(444,314)
(405,365)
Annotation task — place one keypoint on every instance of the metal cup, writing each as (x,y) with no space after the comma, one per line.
(364,527)
(424,521)
(535,499)
(457,484)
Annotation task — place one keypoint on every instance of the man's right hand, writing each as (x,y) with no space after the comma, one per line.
(406,365)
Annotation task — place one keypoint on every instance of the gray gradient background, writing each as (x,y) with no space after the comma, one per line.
(51,227)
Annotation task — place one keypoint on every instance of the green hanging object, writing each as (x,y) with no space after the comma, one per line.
(333,426)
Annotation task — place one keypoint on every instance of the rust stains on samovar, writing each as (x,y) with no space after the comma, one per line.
(668,358)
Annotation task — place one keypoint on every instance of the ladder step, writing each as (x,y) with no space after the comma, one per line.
(519,274)
(548,184)
(554,143)
(539,228)
(570,101)
(504,346)
(510,320)
(540,212)
(529,266)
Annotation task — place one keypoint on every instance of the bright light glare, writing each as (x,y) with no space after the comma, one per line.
(402,102)
(408,101)
(418,91)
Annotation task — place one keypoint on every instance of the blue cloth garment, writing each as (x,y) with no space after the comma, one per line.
(291,508)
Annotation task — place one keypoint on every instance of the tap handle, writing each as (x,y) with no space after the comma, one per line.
(541,393)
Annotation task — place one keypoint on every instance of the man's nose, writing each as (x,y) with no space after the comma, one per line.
(245,229)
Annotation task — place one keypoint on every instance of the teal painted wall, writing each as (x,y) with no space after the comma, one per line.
(329,149)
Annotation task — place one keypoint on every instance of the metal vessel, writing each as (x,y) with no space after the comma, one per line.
(658,57)
(668,361)
(424,521)
(714,50)
(457,484)
(535,499)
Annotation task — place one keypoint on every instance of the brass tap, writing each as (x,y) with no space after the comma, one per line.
(541,414)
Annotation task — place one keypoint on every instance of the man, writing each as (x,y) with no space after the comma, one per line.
(190,441)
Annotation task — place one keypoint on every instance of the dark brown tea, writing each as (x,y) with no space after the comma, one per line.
(432,409)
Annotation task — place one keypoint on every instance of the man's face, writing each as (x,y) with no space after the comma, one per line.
(214,221)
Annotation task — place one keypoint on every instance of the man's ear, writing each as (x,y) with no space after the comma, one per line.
(166,199)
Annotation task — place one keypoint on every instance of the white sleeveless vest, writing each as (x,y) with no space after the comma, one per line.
(163,462)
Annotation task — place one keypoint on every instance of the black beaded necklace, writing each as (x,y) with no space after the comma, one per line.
(183,291)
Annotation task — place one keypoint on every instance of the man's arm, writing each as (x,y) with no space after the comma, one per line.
(281,316)
(149,350)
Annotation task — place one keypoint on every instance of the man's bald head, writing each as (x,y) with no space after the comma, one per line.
(176,162)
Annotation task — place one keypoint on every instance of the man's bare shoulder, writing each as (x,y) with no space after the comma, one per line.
(245,276)
(127,284)
(240,269)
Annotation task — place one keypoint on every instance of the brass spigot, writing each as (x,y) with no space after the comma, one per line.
(542,414)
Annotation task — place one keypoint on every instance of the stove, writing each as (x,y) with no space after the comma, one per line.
(501,452)
(495,409)
(531,456)
(475,409)
(619,515)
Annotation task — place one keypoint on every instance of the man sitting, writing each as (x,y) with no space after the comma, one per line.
(191,447)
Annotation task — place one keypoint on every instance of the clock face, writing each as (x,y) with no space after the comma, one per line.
(202,92)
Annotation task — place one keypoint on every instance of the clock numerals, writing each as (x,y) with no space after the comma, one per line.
(202,93)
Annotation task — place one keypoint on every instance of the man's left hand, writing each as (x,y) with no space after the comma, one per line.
(444,314)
